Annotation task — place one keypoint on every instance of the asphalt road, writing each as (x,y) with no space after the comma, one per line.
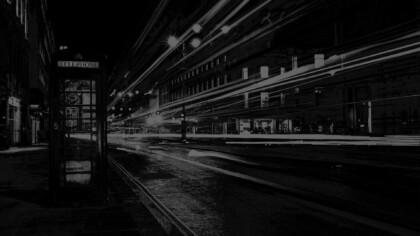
(287,190)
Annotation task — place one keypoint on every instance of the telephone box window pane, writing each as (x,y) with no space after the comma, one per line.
(74,98)
(79,152)
(93,86)
(77,85)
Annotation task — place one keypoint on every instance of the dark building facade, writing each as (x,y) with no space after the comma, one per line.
(341,68)
(330,67)
(26,46)
(14,76)
(42,47)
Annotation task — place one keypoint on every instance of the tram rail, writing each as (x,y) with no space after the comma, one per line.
(169,221)
(286,192)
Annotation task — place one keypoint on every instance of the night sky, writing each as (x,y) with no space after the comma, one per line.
(100,26)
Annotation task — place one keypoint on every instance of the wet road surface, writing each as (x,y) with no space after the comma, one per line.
(219,193)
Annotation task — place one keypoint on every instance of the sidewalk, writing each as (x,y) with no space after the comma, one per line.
(25,209)
(22,150)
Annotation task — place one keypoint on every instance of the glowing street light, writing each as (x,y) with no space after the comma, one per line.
(130,94)
(150,120)
(113,93)
(225,29)
(119,94)
(137,92)
(197,28)
(155,119)
(172,41)
(126,74)
(196,42)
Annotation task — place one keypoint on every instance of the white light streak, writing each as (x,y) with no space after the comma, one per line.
(305,73)
(208,16)
(224,30)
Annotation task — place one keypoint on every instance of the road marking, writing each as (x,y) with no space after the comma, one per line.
(215,154)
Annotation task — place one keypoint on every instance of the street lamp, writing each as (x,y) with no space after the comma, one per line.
(183,125)
(197,28)
(172,41)
(195,43)
(225,29)
(154,120)
(149,122)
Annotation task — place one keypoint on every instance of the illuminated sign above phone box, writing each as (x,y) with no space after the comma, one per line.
(78,64)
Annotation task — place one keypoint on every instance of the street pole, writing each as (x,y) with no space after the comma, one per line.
(183,125)
(158,136)
(183,115)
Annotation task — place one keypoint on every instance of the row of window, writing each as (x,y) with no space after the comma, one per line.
(199,87)
(21,12)
(197,71)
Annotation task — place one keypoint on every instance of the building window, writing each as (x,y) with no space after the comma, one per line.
(226,79)
(217,61)
(18,3)
(264,72)
(282,99)
(245,73)
(22,11)
(212,64)
(25,19)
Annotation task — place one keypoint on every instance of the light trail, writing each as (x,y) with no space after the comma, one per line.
(289,192)
(265,85)
(288,19)
(156,14)
(288,78)
(161,58)
(182,39)
(217,36)
(149,26)
(228,17)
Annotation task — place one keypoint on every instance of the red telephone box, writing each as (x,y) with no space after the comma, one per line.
(78,161)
